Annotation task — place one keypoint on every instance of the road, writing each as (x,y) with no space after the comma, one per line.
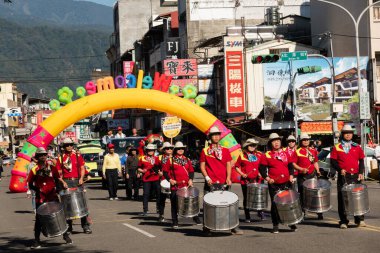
(118,228)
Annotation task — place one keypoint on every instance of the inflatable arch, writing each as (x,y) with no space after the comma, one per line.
(109,100)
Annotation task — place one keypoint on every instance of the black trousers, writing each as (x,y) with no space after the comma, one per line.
(147,187)
(132,183)
(301,178)
(244,189)
(38,226)
(112,182)
(273,189)
(174,205)
(342,180)
(162,201)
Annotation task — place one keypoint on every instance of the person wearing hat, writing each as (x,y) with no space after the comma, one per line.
(43,179)
(247,165)
(112,171)
(107,138)
(215,165)
(149,165)
(132,182)
(277,169)
(119,134)
(165,158)
(347,158)
(73,172)
(291,150)
(180,173)
(306,163)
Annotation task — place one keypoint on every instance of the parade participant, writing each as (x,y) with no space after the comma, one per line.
(43,179)
(165,158)
(73,172)
(215,165)
(179,173)
(306,163)
(30,193)
(277,169)
(131,174)
(149,167)
(111,171)
(291,150)
(247,165)
(107,138)
(347,158)
(119,134)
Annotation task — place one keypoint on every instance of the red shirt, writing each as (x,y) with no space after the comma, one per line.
(350,161)
(251,168)
(277,163)
(291,153)
(306,157)
(179,171)
(70,165)
(216,168)
(148,164)
(45,183)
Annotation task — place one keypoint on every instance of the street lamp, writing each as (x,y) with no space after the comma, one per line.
(356,24)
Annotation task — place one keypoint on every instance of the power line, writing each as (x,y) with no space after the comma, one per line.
(353,36)
(55,58)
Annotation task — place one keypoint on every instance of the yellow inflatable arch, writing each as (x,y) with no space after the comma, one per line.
(110,100)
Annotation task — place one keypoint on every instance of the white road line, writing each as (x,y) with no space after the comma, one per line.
(139,230)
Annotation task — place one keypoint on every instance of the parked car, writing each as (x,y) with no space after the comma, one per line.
(7,161)
(93,158)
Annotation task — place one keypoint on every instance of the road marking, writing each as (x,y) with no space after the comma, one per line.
(139,230)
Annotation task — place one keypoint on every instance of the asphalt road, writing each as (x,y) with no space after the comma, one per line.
(118,228)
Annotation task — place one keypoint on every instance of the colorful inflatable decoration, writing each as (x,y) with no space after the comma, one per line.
(110,99)
(54,105)
(65,95)
(200,100)
(174,89)
(81,92)
(189,91)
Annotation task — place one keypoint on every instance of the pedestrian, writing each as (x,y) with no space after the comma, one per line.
(306,163)
(247,166)
(131,174)
(71,165)
(215,164)
(107,138)
(180,173)
(1,163)
(119,134)
(148,166)
(30,193)
(318,145)
(43,179)
(347,158)
(165,158)
(277,169)
(111,171)
(134,133)
(377,155)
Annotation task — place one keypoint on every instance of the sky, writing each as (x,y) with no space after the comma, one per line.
(104,2)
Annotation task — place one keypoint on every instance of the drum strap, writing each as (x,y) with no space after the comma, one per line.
(172,167)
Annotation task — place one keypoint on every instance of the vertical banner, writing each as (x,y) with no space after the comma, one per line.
(128,67)
(234,74)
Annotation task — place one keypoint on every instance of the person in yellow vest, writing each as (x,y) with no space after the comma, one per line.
(165,158)
(347,158)
(111,171)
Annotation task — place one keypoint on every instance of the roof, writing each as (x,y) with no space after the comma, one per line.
(211,42)
(276,42)
(295,16)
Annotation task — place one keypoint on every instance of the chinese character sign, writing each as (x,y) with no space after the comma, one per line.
(128,67)
(234,75)
(181,67)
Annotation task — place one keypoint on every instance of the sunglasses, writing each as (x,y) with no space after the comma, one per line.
(68,145)
(180,149)
(168,148)
(291,141)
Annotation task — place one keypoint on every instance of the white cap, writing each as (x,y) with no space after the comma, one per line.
(291,138)
(214,130)
(67,141)
(347,128)
(304,136)
(150,147)
(179,144)
(250,141)
(167,145)
(41,150)
(274,136)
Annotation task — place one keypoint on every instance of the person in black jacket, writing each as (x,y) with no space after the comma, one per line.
(133,182)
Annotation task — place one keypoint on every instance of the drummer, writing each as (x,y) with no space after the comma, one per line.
(165,158)
(215,165)
(43,179)
(149,165)
(347,158)
(180,173)
(72,168)
(247,165)
(291,150)
(306,163)
(277,169)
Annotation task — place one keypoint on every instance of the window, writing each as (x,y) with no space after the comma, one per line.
(377,57)
(278,50)
(376,13)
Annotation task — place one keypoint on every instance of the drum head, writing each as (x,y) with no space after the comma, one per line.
(187,192)
(71,190)
(49,208)
(165,183)
(286,197)
(317,184)
(354,187)
(220,198)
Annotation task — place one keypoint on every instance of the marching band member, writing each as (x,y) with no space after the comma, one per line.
(149,166)
(179,173)
(215,165)
(72,168)
(347,158)
(306,163)
(165,158)
(277,169)
(111,171)
(291,150)
(43,179)
(247,165)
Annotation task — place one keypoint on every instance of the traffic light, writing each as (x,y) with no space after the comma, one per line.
(309,69)
(265,58)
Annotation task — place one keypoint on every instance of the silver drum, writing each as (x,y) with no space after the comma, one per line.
(316,195)
(257,196)
(221,210)
(355,198)
(188,202)
(288,207)
(52,218)
(74,202)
